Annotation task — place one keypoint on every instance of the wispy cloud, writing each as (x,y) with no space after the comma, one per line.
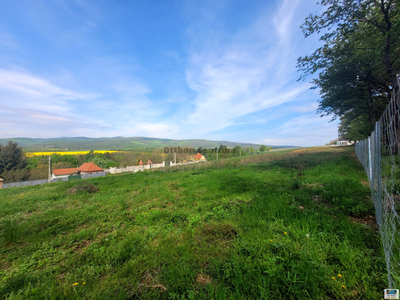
(239,75)
(305,130)
(304,108)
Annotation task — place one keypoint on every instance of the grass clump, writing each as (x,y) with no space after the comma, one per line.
(90,188)
(11,230)
(271,226)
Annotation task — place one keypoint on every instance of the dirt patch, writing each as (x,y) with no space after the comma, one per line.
(218,231)
(369,221)
(203,279)
(313,185)
(82,245)
(151,281)
(90,188)
(364,183)
(134,193)
(5,265)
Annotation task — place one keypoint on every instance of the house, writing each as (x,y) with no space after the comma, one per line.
(343,142)
(59,173)
(199,156)
(90,168)
(86,168)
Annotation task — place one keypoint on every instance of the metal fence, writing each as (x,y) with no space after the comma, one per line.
(380,156)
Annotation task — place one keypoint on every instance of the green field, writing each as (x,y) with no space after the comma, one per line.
(286,225)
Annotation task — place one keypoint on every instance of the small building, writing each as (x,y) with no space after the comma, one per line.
(59,173)
(343,142)
(149,162)
(199,156)
(141,163)
(90,168)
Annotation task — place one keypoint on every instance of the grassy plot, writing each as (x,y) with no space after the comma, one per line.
(293,225)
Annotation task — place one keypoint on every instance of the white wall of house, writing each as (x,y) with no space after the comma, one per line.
(58,176)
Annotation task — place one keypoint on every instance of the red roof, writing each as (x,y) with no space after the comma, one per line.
(149,162)
(141,163)
(66,171)
(89,167)
(198,155)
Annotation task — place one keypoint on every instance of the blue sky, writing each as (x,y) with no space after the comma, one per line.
(217,70)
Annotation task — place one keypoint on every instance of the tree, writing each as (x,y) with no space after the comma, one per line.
(156,156)
(357,64)
(89,156)
(354,129)
(13,162)
(263,148)
(237,150)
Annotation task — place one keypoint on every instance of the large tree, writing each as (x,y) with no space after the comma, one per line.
(356,66)
(13,162)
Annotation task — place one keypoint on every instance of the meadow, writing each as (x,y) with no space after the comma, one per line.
(286,225)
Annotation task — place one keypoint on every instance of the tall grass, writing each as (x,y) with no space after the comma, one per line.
(293,225)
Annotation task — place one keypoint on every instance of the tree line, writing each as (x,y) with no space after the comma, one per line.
(356,67)
(15,166)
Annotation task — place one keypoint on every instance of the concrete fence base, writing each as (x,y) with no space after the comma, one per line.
(43,181)
(134,169)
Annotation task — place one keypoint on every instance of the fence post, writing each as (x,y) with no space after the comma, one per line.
(378,160)
(369,159)
(49,169)
(1,183)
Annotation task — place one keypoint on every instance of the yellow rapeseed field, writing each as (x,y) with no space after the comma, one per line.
(30,154)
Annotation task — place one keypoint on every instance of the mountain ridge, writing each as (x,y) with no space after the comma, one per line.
(120,143)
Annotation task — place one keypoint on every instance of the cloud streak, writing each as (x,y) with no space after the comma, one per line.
(242,76)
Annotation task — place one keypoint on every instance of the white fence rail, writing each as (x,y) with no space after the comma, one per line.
(380,157)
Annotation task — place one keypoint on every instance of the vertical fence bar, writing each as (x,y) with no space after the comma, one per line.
(369,159)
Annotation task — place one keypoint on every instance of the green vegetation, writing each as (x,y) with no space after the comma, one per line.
(12,163)
(116,143)
(287,225)
(355,68)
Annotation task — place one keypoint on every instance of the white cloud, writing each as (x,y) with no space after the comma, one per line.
(304,108)
(305,130)
(243,74)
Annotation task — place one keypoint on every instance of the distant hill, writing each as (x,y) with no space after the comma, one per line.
(118,143)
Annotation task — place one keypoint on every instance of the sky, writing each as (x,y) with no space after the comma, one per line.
(179,69)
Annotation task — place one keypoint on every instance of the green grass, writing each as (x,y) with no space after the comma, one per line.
(271,226)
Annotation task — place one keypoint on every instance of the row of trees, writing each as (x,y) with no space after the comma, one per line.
(357,65)
(14,166)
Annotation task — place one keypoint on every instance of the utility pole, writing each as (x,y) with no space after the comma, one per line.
(174,157)
(49,180)
(217,153)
